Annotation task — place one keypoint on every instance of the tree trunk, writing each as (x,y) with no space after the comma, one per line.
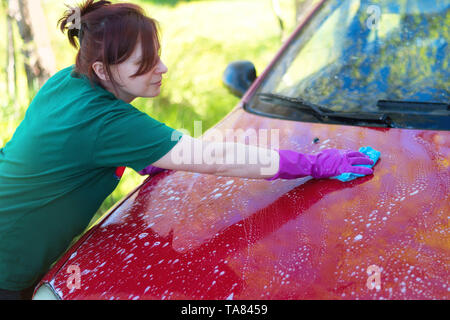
(302,7)
(38,57)
(16,10)
(277,10)
(41,39)
(11,73)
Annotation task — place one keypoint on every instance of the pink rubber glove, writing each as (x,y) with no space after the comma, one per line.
(150,170)
(326,164)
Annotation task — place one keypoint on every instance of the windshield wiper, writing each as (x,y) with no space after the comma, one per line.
(415,106)
(323,114)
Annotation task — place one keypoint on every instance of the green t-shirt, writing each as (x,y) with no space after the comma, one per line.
(60,165)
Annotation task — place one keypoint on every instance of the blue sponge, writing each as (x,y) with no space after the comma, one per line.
(373,155)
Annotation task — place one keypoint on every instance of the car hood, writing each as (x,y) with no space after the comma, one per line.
(184,235)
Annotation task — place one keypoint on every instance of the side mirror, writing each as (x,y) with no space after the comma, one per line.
(239,76)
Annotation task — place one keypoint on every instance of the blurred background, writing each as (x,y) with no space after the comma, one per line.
(199,39)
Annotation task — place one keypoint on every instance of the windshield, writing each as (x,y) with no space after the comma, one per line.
(354,53)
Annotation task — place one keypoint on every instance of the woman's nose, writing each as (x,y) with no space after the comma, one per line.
(162,68)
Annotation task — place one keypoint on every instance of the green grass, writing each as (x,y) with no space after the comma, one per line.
(199,39)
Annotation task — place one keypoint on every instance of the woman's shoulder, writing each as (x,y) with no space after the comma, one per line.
(64,73)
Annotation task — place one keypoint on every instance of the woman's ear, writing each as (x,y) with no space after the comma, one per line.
(100,71)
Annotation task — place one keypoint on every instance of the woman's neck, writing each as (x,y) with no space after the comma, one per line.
(120,94)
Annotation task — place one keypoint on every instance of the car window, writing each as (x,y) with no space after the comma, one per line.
(354,53)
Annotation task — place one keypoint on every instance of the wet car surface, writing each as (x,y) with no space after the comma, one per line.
(184,235)
(190,236)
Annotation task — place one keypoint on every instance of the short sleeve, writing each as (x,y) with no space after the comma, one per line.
(131,138)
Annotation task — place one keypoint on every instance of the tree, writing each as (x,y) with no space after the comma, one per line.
(11,73)
(301,8)
(39,61)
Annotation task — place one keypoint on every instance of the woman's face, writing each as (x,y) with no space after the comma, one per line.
(147,85)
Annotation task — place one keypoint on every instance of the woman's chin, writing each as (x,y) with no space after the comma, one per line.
(153,94)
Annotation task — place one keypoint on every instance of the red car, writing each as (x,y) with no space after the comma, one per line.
(353,74)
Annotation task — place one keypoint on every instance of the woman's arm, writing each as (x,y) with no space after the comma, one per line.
(247,161)
(221,159)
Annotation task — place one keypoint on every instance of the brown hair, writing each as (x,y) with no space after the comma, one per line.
(109,33)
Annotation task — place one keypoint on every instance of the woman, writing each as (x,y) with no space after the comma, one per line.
(80,131)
